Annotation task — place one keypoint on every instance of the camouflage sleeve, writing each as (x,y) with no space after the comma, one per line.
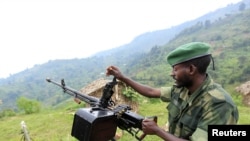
(215,113)
(199,135)
(220,113)
(166,94)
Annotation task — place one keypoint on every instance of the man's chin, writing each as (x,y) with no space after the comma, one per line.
(177,85)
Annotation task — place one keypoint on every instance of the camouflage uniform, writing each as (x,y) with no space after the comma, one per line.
(190,115)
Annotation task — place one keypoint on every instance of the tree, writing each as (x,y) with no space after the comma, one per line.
(207,24)
(242,6)
(28,106)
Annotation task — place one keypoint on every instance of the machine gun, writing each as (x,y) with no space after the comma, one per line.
(99,122)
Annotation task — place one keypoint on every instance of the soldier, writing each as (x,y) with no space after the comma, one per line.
(195,100)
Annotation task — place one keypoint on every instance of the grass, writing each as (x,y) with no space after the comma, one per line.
(55,125)
(244,117)
(44,126)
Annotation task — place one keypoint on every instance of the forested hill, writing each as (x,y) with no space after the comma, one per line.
(143,43)
(230,40)
(229,36)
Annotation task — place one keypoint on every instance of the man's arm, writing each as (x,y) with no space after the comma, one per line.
(140,88)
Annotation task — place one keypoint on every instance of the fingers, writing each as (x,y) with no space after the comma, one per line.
(110,70)
(148,122)
(149,126)
(149,119)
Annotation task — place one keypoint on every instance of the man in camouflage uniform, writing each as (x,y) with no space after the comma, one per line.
(195,101)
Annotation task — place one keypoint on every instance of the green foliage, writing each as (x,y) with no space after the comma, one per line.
(56,124)
(130,94)
(68,106)
(230,42)
(7,113)
(231,46)
(228,35)
(49,125)
(28,106)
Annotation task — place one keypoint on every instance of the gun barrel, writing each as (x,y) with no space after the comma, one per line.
(84,97)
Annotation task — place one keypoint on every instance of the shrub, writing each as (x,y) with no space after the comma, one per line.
(28,106)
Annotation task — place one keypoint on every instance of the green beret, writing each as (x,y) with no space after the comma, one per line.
(188,52)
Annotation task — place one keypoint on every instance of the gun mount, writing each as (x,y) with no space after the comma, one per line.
(100,121)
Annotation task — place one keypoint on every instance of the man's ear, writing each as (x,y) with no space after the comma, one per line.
(192,69)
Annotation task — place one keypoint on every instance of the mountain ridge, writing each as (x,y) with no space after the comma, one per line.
(79,72)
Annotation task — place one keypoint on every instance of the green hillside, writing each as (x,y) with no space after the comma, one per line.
(229,37)
(55,125)
(227,31)
(230,46)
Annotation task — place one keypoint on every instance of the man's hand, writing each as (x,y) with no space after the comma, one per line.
(149,125)
(112,70)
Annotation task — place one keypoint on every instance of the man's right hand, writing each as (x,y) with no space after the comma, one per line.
(112,70)
(138,87)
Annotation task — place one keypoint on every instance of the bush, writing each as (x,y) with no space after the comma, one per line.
(28,106)
(131,94)
(7,113)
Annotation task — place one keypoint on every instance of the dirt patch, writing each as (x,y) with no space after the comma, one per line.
(244,89)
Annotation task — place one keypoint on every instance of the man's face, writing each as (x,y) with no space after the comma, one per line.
(181,76)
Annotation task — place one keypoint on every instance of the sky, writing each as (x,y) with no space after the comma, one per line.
(32,32)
